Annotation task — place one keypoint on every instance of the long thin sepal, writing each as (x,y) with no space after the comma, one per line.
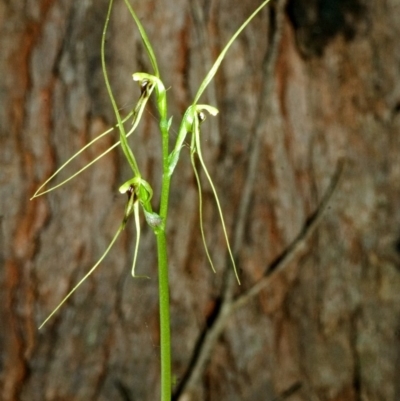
(196,133)
(137,225)
(218,61)
(145,39)
(196,174)
(84,277)
(38,191)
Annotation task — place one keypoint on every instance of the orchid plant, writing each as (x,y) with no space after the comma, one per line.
(138,190)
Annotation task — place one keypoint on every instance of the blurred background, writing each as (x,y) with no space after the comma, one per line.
(309,84)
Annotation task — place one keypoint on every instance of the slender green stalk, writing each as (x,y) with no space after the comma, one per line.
(165,334)
(163,281)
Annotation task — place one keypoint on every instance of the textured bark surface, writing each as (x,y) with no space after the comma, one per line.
(327,326)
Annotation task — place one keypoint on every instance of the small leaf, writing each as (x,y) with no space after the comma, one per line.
(154,220)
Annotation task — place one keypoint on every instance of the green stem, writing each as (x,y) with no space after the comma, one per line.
(166,180)
(165,341)
(163,282)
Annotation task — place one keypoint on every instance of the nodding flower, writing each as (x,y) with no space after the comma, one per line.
(197,116)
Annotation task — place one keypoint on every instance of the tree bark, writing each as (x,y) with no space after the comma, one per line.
(327,325)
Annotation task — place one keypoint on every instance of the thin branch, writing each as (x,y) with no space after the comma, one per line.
(294,388)
(297,246)
(210,336)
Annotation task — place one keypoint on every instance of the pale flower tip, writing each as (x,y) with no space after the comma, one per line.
(237,276)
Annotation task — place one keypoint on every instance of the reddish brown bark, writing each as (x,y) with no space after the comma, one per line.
(327,326)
